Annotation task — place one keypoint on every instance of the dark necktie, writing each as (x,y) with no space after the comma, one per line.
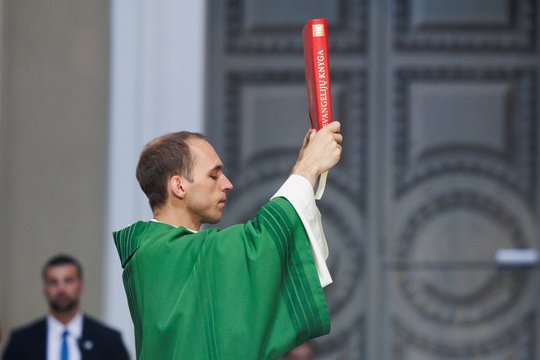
(64,352)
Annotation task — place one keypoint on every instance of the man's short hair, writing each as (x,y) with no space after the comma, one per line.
(59,260)
(163,157)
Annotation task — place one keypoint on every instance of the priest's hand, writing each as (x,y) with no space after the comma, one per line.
(320,151)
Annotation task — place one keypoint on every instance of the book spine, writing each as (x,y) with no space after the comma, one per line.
(310,85)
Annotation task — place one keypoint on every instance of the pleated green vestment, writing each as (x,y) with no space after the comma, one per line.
(247,292)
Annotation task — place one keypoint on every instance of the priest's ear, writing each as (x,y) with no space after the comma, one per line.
(177,186)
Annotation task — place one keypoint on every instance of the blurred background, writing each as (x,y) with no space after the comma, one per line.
(439,106)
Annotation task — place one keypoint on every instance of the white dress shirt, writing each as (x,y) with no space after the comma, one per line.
(54,337)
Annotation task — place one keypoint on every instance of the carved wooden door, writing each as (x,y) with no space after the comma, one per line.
(439,105)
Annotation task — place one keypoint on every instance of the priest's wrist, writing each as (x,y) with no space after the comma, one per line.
(310,173)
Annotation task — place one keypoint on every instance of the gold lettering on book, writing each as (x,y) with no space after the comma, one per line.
(323,87)
(318,30)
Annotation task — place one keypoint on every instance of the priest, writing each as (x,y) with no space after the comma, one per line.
(249,291)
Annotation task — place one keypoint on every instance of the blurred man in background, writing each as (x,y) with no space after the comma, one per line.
(66,333)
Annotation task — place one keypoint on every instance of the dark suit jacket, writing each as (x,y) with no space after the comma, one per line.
(98,342)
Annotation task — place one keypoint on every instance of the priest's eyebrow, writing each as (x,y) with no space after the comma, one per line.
(216,168)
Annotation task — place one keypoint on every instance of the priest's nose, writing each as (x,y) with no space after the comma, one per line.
(227,185)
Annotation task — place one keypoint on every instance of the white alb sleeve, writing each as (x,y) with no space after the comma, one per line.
(298,191)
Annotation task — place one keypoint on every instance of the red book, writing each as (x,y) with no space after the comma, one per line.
(315,41)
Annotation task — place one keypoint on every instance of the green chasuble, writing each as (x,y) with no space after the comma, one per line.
(247,292)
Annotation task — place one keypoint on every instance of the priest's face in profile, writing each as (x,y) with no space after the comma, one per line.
(62,287)
(206,195)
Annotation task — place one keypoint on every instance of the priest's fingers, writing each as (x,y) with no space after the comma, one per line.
(338,138)
(308,137)
(334,126)
(336,129)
